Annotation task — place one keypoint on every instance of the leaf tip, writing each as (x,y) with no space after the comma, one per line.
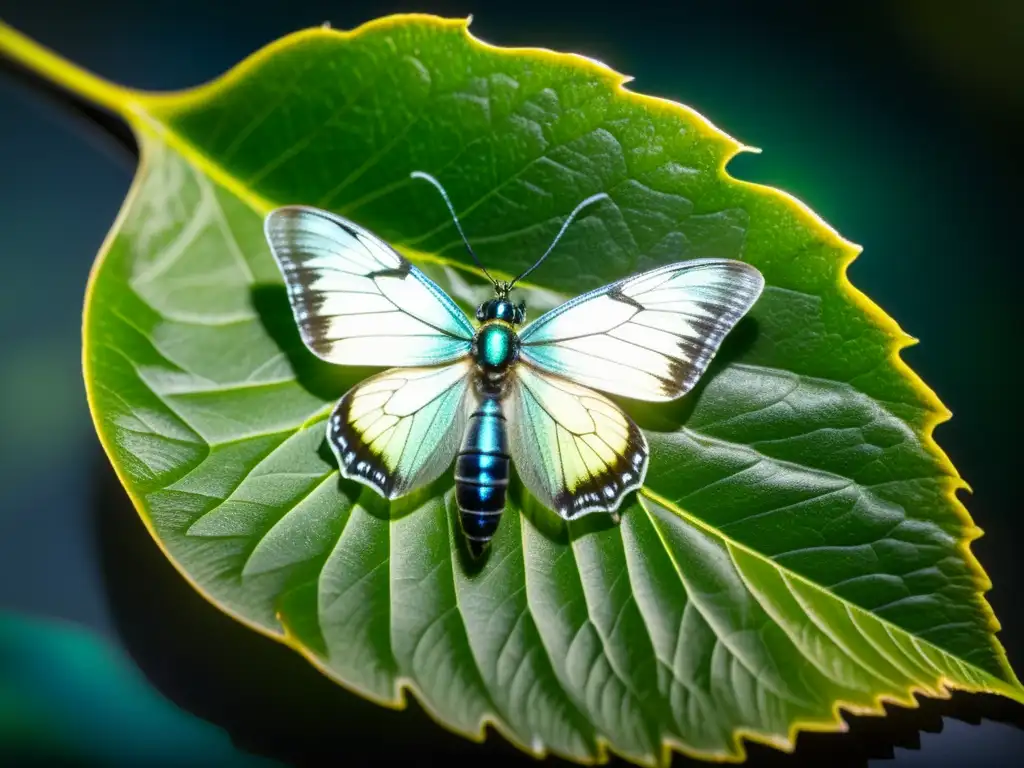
(903,340)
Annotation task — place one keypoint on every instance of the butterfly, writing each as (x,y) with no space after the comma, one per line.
(489,394)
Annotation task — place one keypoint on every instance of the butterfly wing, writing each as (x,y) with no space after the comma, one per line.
(400,429)
(650,336)
(356,300)
(573,448)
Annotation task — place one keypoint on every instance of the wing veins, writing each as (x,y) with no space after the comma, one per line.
(328,262)
(577,478)
(627,365)
(550,415)
(617,338)
(692,306)
(532,426)
(433,418)
(442,331)
(562,339)
(393,467)
(405,381)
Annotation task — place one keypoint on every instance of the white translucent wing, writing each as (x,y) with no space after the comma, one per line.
(649,337)
(356,300)
(573,448)
(400,429)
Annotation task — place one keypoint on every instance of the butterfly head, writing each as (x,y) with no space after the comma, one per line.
(501,307)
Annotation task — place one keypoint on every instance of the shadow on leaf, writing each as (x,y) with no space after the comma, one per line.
(472,566)
(273,703)
(673,415)
(542,518)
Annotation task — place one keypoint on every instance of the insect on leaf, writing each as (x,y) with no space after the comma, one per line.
(798,547)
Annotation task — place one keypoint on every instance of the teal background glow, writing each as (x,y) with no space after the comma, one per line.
(78,695)
(896,122)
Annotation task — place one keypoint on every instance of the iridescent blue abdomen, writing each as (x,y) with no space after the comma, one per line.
(481,474)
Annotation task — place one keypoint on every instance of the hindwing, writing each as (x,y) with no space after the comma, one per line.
(574,449)
(400,429)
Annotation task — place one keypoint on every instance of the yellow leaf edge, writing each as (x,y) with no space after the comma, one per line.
(136,108)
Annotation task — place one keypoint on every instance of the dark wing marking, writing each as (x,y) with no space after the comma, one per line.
(648,337)
(356,300)
(574,449)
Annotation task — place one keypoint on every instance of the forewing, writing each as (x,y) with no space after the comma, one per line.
(648,337)
(400,429)
(356,300)
(573,448)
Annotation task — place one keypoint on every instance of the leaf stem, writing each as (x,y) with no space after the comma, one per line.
(59,71)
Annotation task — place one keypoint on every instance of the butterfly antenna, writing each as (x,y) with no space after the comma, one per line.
(590,200)
(455,218)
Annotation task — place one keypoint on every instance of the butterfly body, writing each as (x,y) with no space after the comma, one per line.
(483,462)
(491,395)
(482,471)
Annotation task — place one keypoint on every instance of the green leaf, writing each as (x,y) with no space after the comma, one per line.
(799,546)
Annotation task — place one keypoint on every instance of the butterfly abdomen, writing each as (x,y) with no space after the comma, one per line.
(481,474)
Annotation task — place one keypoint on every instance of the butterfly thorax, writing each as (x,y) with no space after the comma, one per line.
(495,348)
(496,344)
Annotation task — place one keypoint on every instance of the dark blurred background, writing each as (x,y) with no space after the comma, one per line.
(899,123)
